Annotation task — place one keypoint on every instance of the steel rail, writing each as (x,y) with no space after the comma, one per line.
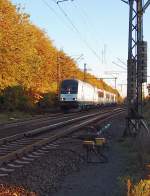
(43,142)
(38,130)
(33,120)
(39,118)
(10,131)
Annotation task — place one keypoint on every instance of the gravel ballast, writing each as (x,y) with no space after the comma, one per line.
(44,174)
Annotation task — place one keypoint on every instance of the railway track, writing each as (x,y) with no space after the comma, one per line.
(33,120)
(37,122)
(15,127)
(21,149)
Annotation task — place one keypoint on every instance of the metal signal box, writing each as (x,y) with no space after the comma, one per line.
(142,61)
(132,78)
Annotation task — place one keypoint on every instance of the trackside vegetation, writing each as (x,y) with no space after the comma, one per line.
(135,180)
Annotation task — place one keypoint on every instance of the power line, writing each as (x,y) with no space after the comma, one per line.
(119,65)
(53,10)
(76,30)
(121,61)
(86,21)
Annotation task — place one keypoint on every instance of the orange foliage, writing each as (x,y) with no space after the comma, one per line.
(6,190)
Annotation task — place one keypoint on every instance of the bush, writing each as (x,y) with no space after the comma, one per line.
(141,189)
(1,101)
(16,98)
(48,101)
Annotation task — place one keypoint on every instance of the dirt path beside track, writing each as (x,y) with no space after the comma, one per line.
(99,179)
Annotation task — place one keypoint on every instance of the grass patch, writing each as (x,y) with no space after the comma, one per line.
(131,170)
(13,116)
(146,139)
(146,112)
(137,156)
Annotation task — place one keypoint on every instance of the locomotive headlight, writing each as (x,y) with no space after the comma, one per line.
(74,98)
(63,99)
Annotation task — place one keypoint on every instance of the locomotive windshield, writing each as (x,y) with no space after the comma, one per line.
(69,87)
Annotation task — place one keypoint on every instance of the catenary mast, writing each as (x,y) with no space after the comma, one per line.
(136,65)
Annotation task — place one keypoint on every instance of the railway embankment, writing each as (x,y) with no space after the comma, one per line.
(16,115)
(7,117)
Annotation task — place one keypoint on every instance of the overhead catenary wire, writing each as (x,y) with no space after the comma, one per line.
(77,31)
(53,10)
(50,7)
(121,61)
(91,30)
(74,28)
(84,13)
(86,22)
(119,65)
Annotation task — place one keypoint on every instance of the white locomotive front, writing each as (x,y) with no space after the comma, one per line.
(68,94)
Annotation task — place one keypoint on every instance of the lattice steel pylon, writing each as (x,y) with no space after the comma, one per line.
(136,66)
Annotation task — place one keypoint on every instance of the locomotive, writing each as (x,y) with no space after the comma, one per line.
(78,94)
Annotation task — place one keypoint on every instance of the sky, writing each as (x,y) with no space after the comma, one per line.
(94,32)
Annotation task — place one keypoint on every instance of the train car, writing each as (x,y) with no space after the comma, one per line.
(101,97)
(78,94)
